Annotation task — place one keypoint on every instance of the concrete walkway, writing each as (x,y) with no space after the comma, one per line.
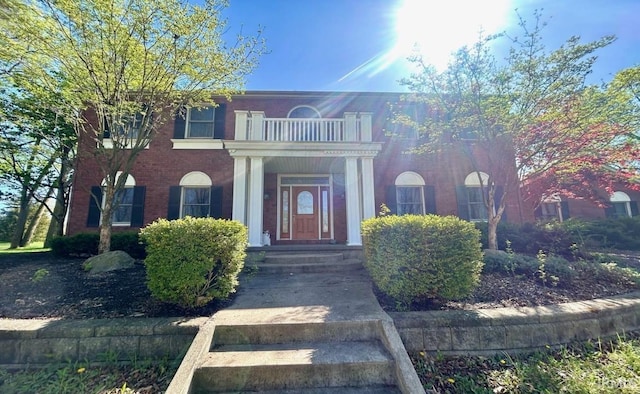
(298,308)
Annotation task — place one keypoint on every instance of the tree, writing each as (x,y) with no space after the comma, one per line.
(36,143)
(129,66)
(529,117)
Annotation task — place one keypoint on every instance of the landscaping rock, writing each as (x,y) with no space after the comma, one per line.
(109,261)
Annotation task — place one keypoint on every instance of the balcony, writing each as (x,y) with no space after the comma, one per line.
(254,126)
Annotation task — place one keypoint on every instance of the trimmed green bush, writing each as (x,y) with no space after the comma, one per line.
(83,244)
(193,261)
(414,256)
(620,233)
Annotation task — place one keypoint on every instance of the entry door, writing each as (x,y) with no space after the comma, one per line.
(305,212)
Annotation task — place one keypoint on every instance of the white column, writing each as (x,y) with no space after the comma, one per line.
(350,130)
(256,200)
(368,197)
(241,125)
(352,194)
(239,212)
(365,126)
(257,125)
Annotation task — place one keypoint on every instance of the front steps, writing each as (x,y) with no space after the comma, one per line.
(338,357)
(311,260)
(306,321)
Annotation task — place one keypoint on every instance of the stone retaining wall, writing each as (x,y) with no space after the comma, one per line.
(490,331)
(39,342)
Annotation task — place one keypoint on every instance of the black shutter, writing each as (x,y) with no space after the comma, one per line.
(174,202)
(215,202)
(391,200)
(95,201)
(430,199)
(463,202)
(564,208)
(218,121)
(137,209)
(634,208)
(497,198)
(180,123)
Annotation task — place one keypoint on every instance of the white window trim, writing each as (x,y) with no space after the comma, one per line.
(304,106)
(194,180)
(622,197)
(187,125)
(130,183)
(107,143)
(411,179)
(197,143)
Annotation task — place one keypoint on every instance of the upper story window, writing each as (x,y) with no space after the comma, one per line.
(304,112)
(200,122)
(199,128)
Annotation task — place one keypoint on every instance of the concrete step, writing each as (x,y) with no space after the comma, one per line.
(294,366)
(375,389)
(270,333)
(303,258)
(342,266)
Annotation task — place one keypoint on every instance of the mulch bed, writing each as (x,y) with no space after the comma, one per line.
(67,291)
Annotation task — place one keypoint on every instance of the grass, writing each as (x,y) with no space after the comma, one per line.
(148,377)
(33,247)
(590,367)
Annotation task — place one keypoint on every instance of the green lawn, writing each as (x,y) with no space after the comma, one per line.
(33,247)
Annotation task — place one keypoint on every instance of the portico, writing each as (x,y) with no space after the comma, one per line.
(319,164)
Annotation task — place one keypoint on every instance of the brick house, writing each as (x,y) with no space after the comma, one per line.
(305,166)
(623,202)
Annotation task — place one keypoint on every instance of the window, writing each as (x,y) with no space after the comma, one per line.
(200,122)
(123,203)
(304,112)
(474,190)
(131,127)
(620,205)
(551,208)
(409,194)
(127,203)
(196,201)
(195,196)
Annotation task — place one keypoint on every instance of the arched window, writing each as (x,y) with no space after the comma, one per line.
(304,112)
(123,201)
(620,205)
(474,186)
(410,193)
(551,208)
(195,195)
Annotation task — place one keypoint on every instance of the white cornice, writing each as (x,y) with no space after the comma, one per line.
(187,143)
(302,149)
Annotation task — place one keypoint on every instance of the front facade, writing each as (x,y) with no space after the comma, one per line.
(295,167)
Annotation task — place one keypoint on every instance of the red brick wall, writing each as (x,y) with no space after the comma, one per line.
(160,167)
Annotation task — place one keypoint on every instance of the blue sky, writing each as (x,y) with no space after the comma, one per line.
(361,45)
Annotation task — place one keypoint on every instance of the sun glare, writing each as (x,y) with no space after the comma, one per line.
(438,28)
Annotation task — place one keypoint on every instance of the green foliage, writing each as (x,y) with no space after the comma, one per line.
(619,233)
(83,244)
(529,238)
(412,256)
(589,367)
(192,261)
(40,275)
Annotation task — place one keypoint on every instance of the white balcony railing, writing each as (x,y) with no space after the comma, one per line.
(254,126)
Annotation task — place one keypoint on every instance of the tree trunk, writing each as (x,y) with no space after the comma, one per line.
(105,222)
(23,215)
(56,226)
(492,230)
(33,224)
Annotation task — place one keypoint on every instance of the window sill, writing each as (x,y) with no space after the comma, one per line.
(121,224)
(197,143)
(108,144)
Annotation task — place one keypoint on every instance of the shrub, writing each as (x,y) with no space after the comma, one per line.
(76,245)
(83,244)
(529,238)
(192,261)
(502,262)
(618,233)
(411,257)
